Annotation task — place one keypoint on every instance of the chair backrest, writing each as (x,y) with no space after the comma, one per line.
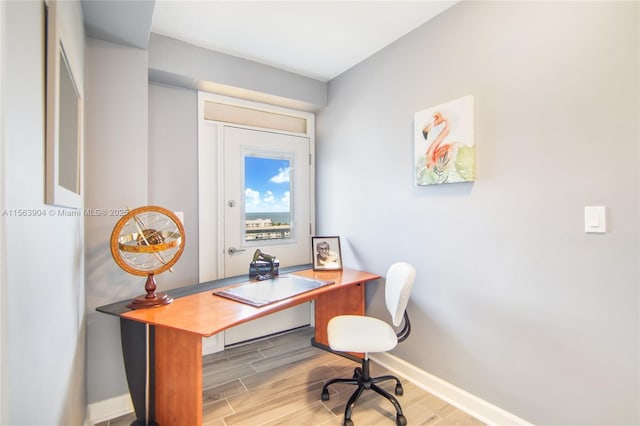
(400,279)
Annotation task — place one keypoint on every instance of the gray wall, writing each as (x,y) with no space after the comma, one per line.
(116,162)
(513,302)
(173,169)
(44,254)
(181,64)
(141,148)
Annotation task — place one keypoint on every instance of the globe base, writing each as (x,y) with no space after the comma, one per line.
(151,299)
(158,299)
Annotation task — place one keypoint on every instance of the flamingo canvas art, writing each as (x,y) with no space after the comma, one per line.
(444,144)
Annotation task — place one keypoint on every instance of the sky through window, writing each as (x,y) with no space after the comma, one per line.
(267,186)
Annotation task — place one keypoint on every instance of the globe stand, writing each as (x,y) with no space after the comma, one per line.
(147,241)
(151,299)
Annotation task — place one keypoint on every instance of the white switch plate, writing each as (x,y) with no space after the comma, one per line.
(595,219)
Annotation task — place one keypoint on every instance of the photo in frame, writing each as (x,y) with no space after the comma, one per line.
(326,253)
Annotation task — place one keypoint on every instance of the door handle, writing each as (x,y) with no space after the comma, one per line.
(233,250)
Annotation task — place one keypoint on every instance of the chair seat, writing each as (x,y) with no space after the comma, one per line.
(355,333)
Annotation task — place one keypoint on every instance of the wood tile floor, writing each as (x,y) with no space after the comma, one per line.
(278,380)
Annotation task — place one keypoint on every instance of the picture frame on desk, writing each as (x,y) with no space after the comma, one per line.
(327,255)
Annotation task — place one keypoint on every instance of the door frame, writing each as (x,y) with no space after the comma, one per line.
(211,181)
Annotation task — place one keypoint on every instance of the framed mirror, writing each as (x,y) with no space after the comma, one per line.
(64,118)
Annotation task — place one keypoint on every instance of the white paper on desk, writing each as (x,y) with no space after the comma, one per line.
(260,293)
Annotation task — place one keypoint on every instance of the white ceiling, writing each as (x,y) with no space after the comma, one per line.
(317,39)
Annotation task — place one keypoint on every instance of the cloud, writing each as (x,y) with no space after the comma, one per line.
(285,198)
(257,202)
(252,198)
(282,176)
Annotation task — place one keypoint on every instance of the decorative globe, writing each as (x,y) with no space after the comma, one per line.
(148,241)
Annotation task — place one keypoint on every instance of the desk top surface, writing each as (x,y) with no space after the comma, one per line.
(207,314)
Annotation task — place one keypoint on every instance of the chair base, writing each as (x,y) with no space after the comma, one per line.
(363,380)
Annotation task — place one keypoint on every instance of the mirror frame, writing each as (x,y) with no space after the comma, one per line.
(59,59)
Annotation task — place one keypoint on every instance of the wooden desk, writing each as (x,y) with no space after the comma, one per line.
(180,326)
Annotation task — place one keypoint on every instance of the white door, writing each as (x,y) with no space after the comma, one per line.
(266,198)
(266,207)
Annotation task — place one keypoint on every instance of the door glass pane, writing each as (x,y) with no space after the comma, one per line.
(267,198)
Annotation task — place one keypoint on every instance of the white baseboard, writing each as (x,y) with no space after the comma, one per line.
(213,344)
(470,404)
(109,409)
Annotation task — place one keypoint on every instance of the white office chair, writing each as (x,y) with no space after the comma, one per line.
(355,333)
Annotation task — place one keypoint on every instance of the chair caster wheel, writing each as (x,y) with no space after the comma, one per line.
(325,395)
(347,422)
(357,372)
(399,390)
(401,420)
